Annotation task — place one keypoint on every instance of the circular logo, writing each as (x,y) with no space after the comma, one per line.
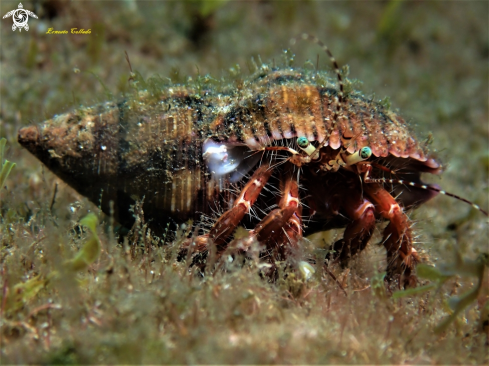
(20,17)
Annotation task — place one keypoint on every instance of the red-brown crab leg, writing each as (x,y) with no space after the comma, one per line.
(227,223)
(397,239)
(281,229)
(270,229)
(359,231)
(293,228)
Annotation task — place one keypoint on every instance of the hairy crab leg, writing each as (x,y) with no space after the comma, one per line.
(282,226)
(270,228)
(281,229)
(397,238)
(293,228)
(359,231)
(226,224)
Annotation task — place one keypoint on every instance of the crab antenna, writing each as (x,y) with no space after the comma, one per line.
(427,187)
(339,107)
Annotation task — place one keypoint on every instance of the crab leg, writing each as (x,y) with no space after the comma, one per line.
(359,231)
(293,228)
(270,228)
(281,229)
(227,223)
(397,238)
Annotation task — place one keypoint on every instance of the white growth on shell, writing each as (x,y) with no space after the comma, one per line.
(228,159)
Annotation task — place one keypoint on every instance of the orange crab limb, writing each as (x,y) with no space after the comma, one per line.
(270,228)
(397,239)
(281,229)
(227,223)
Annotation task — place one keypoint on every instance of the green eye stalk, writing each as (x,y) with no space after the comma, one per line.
(363,154)
(305,145)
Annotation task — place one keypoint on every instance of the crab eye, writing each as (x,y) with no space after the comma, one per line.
(365,152)
(303,142)
(305,145)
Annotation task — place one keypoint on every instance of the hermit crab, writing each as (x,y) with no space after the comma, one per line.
(286,153)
